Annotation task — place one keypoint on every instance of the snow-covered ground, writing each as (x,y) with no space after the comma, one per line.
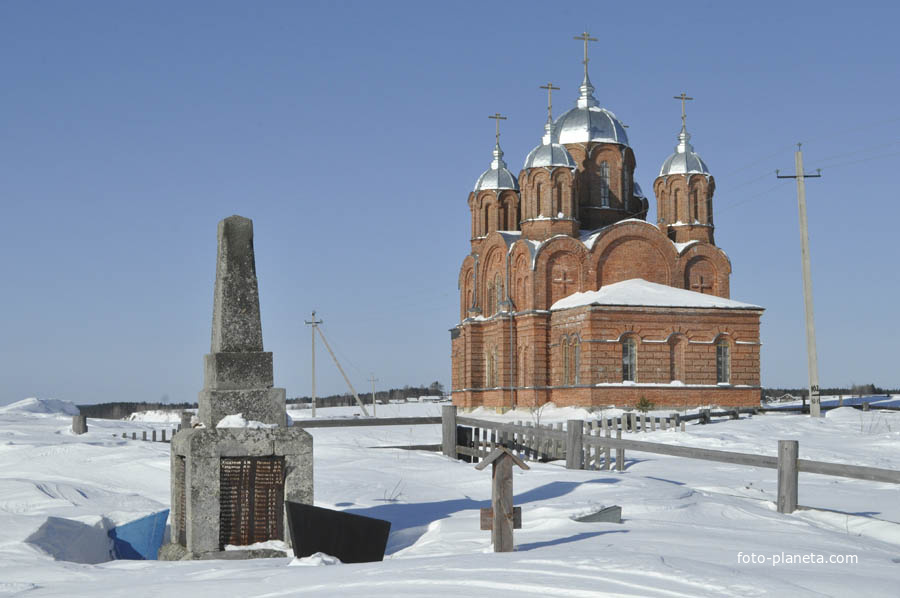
(685,522)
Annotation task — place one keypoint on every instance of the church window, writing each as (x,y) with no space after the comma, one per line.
(629,360)
(564,345)
(490,359)
(604,184)
(675,201)
(696,203)
(709,217)
(676,358)
(723,362)
(574,362)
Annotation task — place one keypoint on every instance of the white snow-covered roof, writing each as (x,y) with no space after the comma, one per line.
(640,292)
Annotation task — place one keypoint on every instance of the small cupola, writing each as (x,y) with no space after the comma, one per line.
(684,191)
(548,185)
(494,203)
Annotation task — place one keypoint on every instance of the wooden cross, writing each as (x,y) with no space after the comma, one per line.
(502,515)
(549,87)
(585,37)
(497,117)
(565,281)
(700,285)
(684,98)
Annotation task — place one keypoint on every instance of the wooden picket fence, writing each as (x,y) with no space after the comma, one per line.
(152,437)
(589,445)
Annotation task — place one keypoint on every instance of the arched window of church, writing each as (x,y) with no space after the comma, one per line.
(564,345)
(574,364)
(723,362)
(696,203)
(676,197)
(709,217)
(676,358)
(604,184)
(629,359)
(489,307)
(539,201)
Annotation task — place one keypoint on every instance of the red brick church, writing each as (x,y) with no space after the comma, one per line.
(569,295)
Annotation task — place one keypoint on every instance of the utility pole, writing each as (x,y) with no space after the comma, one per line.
(314,323)
(814,400)
(341,370)
(373,380)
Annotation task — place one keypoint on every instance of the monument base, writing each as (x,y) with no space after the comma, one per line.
(229,487)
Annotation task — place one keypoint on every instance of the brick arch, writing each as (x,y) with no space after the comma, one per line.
(701,276)
(508,211)
(703,259)
(632,250)
(563,181)
(678,342)
(560,268)
(492,264)
(466,287)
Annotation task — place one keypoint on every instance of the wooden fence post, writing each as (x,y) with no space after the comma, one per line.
(865,406)
(448,430)
(787,475)
(606,450)
(620,452)
(704,416)
(574,444)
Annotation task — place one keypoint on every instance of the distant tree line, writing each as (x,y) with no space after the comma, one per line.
(122,409)
(855,390)
(383,396)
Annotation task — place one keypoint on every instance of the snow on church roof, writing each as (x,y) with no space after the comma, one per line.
(639,292)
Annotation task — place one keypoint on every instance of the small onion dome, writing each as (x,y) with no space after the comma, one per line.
(498,175)
(587,121)
(684,160)
(549,153)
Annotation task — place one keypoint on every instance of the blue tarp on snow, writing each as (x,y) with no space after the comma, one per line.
(139,539)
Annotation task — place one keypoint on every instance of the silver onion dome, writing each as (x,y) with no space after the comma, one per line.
(684,160)
(498,175)
(587,121)
(549,153)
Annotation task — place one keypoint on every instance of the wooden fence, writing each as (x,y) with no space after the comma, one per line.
(590,446)
(153,437)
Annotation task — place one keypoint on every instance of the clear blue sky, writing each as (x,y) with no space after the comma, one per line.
(352,132)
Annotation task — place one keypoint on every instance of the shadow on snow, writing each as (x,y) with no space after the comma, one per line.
(409,521)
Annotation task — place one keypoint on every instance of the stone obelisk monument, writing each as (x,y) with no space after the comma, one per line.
(229,485)
(238,374)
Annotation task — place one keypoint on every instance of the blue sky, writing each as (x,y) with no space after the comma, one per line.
(352,132)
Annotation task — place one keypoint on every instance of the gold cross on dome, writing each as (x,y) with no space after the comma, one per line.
(684,98)
(549,87)
(497,118)
(585,37)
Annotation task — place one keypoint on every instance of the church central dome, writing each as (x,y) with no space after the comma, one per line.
(588,121)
